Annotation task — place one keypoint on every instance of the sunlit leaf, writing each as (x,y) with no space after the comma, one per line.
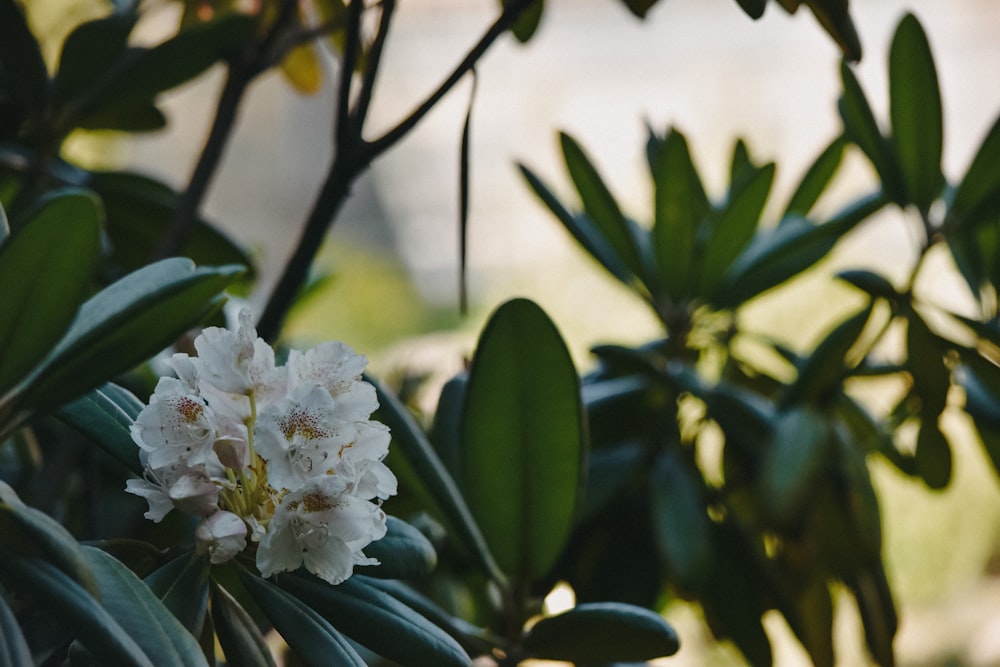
(45,268)
(602,633)
(522,438)
(915,112)
(301,67)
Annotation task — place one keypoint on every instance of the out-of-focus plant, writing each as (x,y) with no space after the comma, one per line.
(788,511)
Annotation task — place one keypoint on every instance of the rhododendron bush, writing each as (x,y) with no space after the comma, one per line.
(180,486)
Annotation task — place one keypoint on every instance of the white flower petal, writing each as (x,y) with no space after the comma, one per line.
(159,502)
(222,535)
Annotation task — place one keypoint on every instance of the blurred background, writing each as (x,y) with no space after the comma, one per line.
(598,73)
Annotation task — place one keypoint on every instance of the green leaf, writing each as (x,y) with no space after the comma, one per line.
(639,7)
(523,439)
(528,21)
(933,455)
(602,632)
(105,415)
(599,204)
(377,621)
(139,211)
(410,442)
(445,432)
(583,229)
(141,614)
(816,179)
(977,195)
(777,255)
(812,619)
(799,455)
(14,648)
(681,524)
(182,586)
(144,73)
(403,553)
(21,61)
(45,270)
(33,534)
(823,371)
(124,324)
(312,638)
(680,206)
(75,609)
(240,639)
(915,112)
(861,128)
(753,8)
(89,53)
(874,284)
(925,361)
(735,227)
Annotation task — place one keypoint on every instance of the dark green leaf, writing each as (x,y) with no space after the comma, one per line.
(140,117)
(105,415)
(241,641)
(861,128)
(410,443)
(89,53)
(125,324)
(45,270)
(816,179)
(878,611)
(681,524)
(76,609)
(21,60)
(835,19)
(599,204)
(403,553)
(915,112)
(602,632)
(813,619)
(735,227)
(639,7)
(796,461)
(933,455)
(874,284)
(522,437)
(14,650)
(925,360)
(583,229)
(312,638)
(141,614)
(777,255)
(740,167)
(822,372)
(182,586)
(680,207)
(446,429)
(527,23)
(377,621)
(753,8)
(977,195)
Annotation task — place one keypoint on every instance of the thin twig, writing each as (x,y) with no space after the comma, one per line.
(352,49)
(360,112)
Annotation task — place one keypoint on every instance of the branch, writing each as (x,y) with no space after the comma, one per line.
(371,67)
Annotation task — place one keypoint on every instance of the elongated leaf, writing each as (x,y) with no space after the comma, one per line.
(527,23)
(89,53)
(800,451)
(861,128)
(639,7)
(776,255)
(680,206)
(816,179)
(976,196)
(410,442)
(403,553)
(915,112)
(932,457)
(45,270)
(523,442)
(835,19)
(14,649)
(599,204)
(681,525)
(4,226)
(105,415)
(238,634)
(141,614)
(33,534)
(182,586)
(753,8)
(735,227)
(76,609)
(22,62)
(602,632)
(312,638)
(377,621)
(812,620)
(125,324)
(873,283)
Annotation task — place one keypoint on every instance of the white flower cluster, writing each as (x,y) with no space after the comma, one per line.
(284,457)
